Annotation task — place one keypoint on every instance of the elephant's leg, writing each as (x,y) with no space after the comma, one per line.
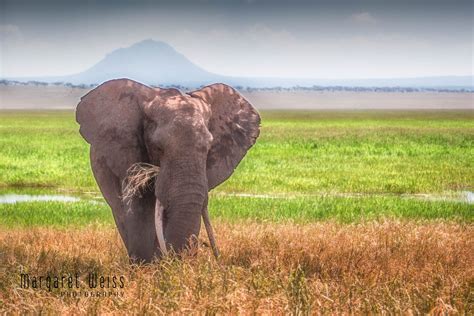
(134,217)
(111,190)
(142,244)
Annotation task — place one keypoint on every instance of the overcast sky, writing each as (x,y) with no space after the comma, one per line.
(313,39)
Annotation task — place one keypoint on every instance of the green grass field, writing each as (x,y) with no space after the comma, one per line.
(356,212)
(306,166)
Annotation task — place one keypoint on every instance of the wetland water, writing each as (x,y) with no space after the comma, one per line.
(464,196)
(17,198)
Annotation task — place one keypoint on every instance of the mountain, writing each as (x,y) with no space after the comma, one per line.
(157,63)
(149,61)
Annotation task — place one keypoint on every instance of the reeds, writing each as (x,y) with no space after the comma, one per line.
(377,267)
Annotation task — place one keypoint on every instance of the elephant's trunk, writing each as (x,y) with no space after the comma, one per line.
(186,196)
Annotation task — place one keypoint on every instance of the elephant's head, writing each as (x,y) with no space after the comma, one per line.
(196,140)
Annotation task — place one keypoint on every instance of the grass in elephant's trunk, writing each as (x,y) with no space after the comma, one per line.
(140,179)
(389,266)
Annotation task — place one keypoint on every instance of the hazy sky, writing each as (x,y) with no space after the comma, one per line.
(314,39)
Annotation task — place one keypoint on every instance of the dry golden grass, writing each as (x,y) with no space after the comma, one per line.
(377,267)
(139,179)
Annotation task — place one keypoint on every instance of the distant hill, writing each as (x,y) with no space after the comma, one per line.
(148,61)
(157,63)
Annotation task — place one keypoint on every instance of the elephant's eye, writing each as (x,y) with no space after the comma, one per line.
(159,150)
(157,146)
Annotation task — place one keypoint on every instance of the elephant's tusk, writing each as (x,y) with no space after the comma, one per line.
(159,227)
(210,231)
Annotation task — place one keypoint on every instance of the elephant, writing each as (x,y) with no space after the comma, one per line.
(195,139)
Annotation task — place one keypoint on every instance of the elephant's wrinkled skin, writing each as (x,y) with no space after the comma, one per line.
(197,140)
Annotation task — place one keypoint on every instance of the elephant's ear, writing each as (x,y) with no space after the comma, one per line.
(111,118)
(234,125)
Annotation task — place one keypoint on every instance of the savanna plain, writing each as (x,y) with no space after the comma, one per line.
(347,212)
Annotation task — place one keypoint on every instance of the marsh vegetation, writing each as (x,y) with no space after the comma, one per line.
(359,211)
